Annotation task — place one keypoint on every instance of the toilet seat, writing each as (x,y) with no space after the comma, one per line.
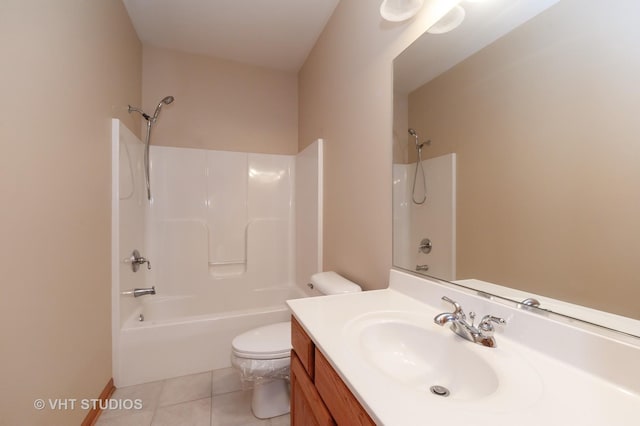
(269,342)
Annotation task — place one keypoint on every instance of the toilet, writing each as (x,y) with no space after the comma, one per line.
(263,355)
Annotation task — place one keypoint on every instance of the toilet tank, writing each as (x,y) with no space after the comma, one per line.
(332,283)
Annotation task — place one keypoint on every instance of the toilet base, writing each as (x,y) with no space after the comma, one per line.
(270,398)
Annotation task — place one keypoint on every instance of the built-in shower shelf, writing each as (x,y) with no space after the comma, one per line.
(227,269)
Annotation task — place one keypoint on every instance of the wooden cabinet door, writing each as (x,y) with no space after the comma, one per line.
(307,408)
(345,408)
(303,346)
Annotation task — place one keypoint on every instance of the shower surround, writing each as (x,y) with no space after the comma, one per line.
(435,219)
(220,232)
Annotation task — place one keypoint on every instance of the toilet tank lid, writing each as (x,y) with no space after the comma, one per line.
(332,283)
(273,339)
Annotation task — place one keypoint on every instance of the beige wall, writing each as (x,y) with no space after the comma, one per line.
(545,127)
(346,97)
(68,67)
(220,104)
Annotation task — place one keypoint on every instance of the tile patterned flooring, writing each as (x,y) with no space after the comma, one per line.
(215,398)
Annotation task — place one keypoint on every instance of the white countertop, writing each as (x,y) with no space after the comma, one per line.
(560,392)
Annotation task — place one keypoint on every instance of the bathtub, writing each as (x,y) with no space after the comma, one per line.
(178,337)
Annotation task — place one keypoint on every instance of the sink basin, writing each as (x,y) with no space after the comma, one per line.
(415,355)
(423,358)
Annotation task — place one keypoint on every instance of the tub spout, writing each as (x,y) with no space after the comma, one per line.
(137,292)
(143,291)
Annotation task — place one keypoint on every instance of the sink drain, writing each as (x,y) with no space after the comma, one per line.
(439,390)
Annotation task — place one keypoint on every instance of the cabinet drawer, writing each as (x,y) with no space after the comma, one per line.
(303,346)
(344,407)
(307,408)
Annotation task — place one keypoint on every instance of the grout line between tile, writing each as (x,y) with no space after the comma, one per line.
(182,402)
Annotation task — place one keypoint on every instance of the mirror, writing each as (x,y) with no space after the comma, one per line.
(532,174)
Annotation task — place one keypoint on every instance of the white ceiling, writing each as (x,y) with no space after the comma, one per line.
(275,34)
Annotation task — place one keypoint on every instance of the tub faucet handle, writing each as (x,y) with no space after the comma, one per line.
(137,260)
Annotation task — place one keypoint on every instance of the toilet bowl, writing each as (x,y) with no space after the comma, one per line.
(263,355)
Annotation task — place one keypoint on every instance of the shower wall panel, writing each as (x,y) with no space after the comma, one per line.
(129,215)
(221,221)
(402,253)
(308,212)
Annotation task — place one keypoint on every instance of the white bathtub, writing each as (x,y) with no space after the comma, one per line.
(177,337)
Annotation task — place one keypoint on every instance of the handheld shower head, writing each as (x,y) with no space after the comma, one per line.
(419,145)
(419,165)
(166,100)
(413,133)
(150,121)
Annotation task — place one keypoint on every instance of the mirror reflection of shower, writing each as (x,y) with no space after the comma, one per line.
(150,121)
(419,165)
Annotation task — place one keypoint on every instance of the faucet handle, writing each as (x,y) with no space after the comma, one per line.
(457,308)
(486,325)
(137,260)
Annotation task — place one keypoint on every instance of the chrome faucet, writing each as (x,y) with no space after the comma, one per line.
(137,292)
(482,334)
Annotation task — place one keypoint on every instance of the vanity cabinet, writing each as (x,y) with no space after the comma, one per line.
(318,394)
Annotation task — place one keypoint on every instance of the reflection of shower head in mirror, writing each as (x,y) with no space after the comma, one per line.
(414,134)
(419,145)
(419,165)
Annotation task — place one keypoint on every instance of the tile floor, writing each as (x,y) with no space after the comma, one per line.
(214,398)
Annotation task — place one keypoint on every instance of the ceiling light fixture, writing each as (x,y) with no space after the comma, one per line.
(448,22)
(400,10)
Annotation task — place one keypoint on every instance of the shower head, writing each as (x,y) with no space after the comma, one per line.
(166,100)
(139,111)
(413,133)
(150,120)
(419,145)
